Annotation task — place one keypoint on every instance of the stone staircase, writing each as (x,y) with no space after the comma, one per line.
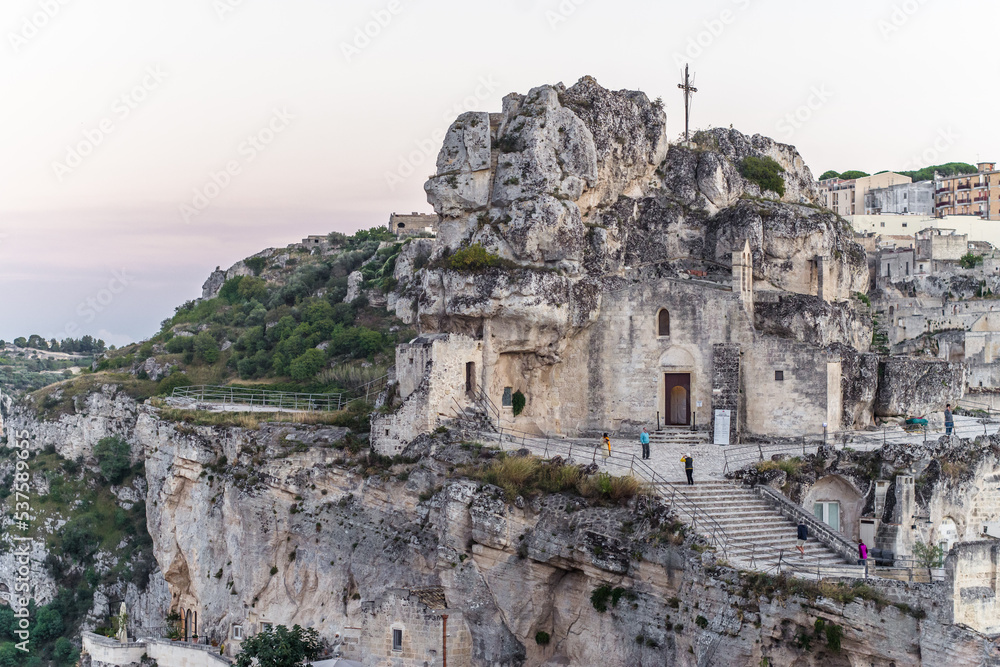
(757,531)
(678,435)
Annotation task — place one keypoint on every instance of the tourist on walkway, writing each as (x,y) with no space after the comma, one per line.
(949,419)
(803,535)
(606,450)
(644,441)
(688,467)
(863,556)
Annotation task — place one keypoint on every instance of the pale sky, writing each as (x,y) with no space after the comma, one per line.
(115,113)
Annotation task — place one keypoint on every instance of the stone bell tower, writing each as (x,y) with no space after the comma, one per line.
(743,277)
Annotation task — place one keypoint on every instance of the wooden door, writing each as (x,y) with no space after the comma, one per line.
(677,411)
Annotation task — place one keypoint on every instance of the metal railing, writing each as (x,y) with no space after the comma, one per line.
(700,521)
(737,456)
(372,392)
(264,398)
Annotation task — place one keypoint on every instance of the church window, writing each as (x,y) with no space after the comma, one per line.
(663,323)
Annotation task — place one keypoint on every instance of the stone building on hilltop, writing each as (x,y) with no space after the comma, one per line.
(634,282)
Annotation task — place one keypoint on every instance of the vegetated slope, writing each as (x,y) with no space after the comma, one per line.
(31,363)
(281,322)
(97,550)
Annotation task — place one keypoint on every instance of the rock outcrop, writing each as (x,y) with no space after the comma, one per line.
(912,387)
(582,181)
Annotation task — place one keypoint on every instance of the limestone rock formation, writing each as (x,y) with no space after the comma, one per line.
(271,524)
(912,387)
(581,180)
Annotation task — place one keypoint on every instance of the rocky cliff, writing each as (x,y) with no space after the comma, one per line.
(295,524)
(577,189)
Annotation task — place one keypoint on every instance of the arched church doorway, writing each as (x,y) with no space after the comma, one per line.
(677,411)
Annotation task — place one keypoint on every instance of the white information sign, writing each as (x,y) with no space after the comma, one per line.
(722,419)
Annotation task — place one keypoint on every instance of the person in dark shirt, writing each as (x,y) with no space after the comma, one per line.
(688,468)
(949,419)
(803,534)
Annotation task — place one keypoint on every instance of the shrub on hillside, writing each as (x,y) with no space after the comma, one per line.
(307,365)
(473,258)
(765,172)
(205,348)
(113,455)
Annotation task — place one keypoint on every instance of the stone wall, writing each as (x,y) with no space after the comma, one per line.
(973,575)
(105,651)
(422,633)
(807,395)
(726,386)
(431,371)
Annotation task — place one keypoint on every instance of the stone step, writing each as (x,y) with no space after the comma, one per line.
(758,533)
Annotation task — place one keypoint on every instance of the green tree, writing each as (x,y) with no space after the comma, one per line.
(280,647)
(48,625)
(969,260)
(947,169)
(828,174)
(927,555)
(113,455)
(305,366)
(65,653)
(10,656)
(205,348)
(852,174)
(251,288)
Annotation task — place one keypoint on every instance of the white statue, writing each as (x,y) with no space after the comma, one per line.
(122,634)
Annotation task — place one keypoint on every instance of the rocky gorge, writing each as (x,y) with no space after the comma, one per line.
(286,523)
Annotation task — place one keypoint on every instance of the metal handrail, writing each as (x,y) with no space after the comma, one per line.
(281,400)
(736,456)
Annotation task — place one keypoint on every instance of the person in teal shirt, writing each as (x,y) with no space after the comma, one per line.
(644,439)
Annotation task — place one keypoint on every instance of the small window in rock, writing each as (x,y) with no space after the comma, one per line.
(387,432)
(265,627)
(237,632)
(397,639)
(401,225)
(508,397)
(663,323)
(779,376)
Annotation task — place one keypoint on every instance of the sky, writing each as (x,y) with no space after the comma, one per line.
(142,144)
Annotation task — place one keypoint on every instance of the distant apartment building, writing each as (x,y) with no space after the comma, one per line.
(848,197)
(902,199)
(969,194)
(402,224)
